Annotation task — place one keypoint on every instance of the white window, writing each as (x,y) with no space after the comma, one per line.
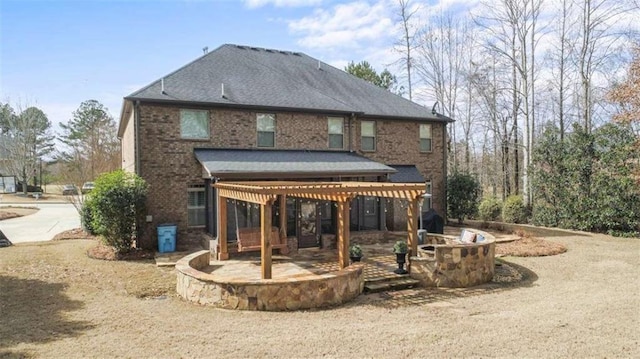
(426,204)
(425,138)
(336,135)
(194,124)
(196,207)
(266,130)
(368,134)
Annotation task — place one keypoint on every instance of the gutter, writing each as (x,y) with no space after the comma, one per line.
(444,170)
(136,125)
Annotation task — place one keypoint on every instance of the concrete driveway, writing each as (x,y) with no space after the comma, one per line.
(43,225)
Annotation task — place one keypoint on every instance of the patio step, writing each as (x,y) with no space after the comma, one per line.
(389,284)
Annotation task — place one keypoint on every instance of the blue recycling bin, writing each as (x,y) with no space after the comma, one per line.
(167,237)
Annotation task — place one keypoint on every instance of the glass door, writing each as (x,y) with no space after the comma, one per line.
(308,225)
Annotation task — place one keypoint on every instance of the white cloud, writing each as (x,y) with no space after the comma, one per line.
(345,25)
(254,4)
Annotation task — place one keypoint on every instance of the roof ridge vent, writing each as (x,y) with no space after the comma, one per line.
(241,47)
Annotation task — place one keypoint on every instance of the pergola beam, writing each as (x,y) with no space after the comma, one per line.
(265,193)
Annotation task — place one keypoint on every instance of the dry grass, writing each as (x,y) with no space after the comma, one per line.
(13,212)
(55,302)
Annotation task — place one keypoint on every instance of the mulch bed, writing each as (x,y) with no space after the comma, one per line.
(104,252)
(528,246)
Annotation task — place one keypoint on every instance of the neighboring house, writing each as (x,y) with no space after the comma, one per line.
(250,114)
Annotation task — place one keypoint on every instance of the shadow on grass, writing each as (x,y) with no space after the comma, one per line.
(34,311)
(507,276)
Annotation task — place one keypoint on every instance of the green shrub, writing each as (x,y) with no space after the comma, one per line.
(400,247)
(86,217)
(489,209)
(118,208)
(513,210)
(462,196)
(355,250)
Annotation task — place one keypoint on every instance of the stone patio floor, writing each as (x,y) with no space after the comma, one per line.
(379,259)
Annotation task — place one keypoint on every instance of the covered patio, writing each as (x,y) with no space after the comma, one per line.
(266,193)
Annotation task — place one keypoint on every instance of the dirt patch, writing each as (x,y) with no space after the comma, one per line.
(13,212)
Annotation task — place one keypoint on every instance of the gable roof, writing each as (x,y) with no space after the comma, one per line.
(264,78)
(273,164)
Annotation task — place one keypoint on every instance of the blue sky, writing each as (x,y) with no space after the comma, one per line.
(55,54)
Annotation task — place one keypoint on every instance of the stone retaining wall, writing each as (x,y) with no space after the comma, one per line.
(310,291)
(453,265)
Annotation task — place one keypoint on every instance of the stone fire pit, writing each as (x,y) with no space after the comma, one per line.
(443,261)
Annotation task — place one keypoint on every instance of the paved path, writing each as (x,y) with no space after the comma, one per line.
(43,225)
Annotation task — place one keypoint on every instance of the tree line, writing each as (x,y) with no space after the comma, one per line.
(545,95)
(87,144)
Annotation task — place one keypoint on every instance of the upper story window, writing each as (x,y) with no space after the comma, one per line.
(266,130)
(194,124)
(336,132)
(425,138)
(368,134)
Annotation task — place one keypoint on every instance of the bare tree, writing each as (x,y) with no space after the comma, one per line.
(91,146)
(597,41)
(511,29)
(443,53)
(407,43)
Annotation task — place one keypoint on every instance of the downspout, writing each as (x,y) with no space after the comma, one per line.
(444,168)
(351,117)
(136,125)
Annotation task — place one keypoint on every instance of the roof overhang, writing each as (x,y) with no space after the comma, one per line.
(285,164)
(125,114)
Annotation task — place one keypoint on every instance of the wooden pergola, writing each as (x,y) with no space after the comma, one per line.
(267,193)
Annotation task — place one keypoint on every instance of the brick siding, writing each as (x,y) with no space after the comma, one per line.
(168,165)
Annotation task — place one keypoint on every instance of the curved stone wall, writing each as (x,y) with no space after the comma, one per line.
(442,262)
(309,291)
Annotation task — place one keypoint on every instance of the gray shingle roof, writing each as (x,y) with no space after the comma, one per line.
(256,77)
(273,164)
(406,174)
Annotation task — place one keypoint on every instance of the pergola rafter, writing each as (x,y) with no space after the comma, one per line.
(265,193)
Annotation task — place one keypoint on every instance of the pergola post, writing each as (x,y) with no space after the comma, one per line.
(223,253)
(266,250)
(343,233)
(283,218)
(412,229)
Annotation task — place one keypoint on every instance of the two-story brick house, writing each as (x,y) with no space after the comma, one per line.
(251,114)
